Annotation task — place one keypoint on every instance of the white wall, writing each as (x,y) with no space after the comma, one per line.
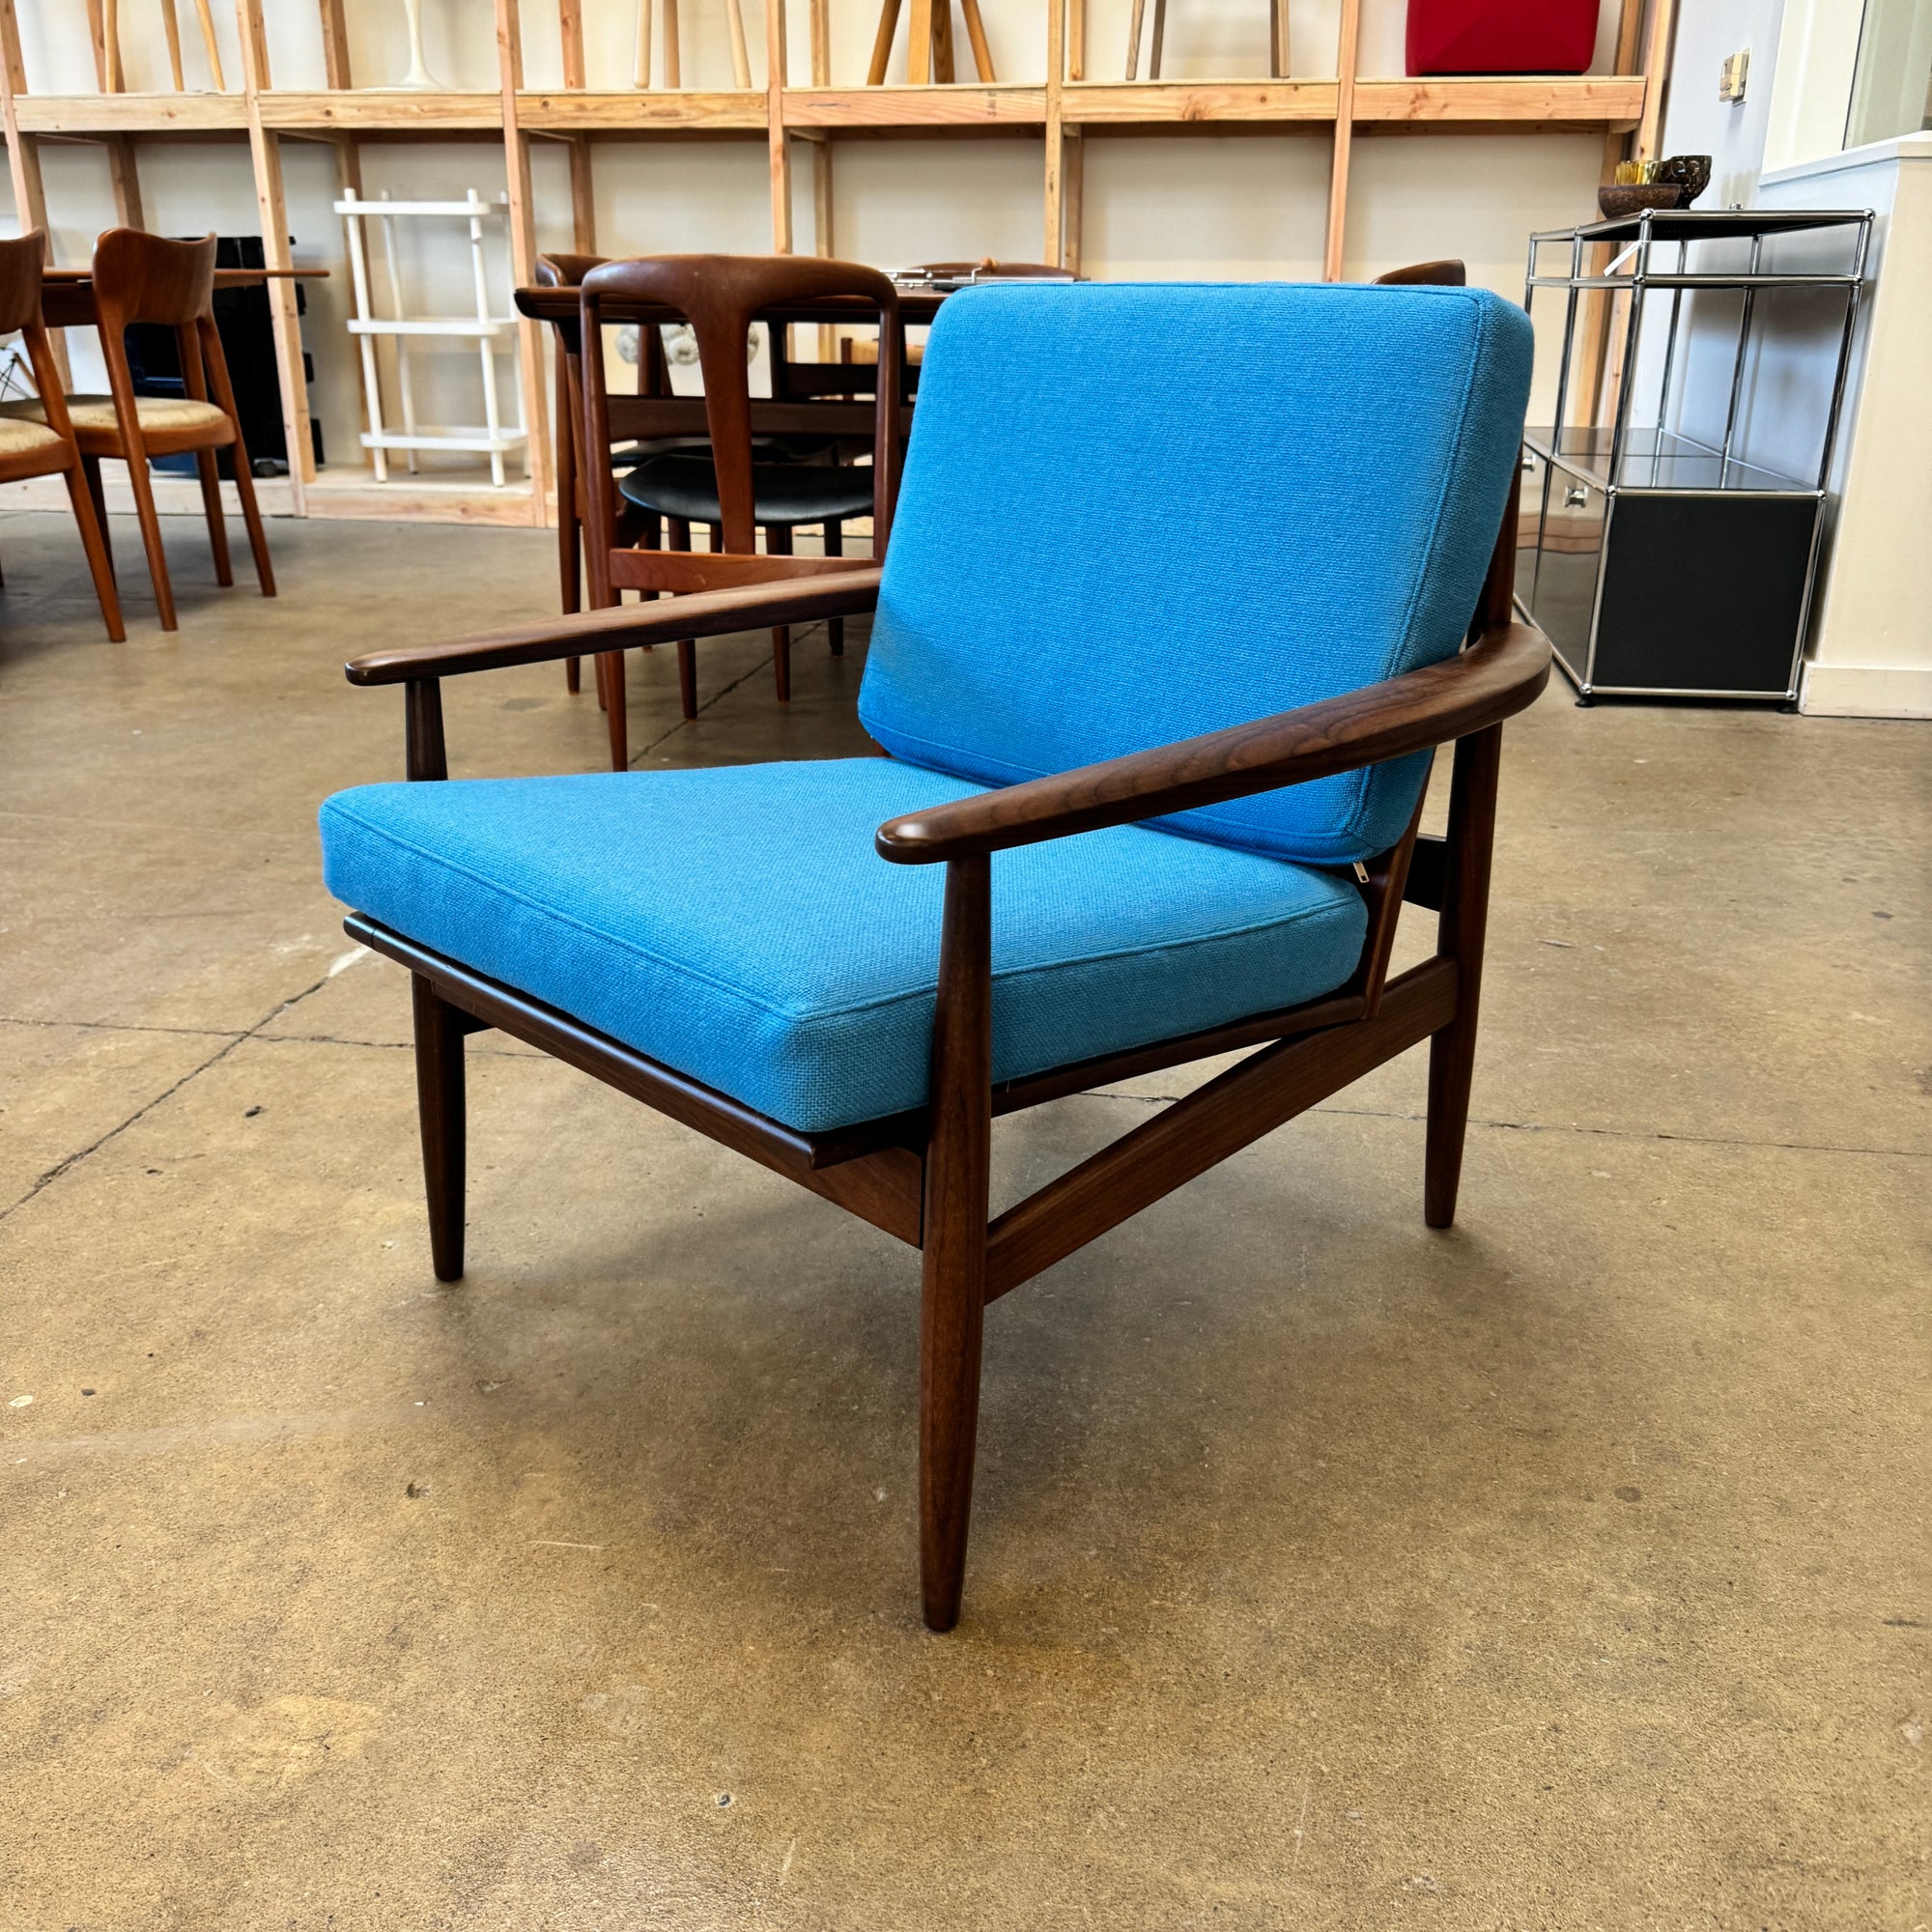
(1871,643)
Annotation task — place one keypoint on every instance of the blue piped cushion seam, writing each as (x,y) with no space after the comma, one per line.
(817,1014)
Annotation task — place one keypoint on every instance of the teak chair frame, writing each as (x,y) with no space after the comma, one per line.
(22,265)
(557,269)
(720,296)
(923,1175)
(141,277)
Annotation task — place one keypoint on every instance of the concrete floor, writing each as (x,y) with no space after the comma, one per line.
(1566,1571)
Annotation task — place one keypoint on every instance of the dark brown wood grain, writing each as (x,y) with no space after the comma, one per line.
(1486,683)
(711,613)
(721,297)
(441,1104)
(425,754)
(1459,931)
(681,572)
(1193,1134)
(953,1276)
(1083,1075)
(923,1175)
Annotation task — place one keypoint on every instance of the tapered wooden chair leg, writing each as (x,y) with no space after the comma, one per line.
(777,543)
(954,1262)
(439,1102)
(251,516)
(613,670)
(218,524)
(834,627)
(97,491)
(1464,917)
(151,539)
(93,541)
(687,675)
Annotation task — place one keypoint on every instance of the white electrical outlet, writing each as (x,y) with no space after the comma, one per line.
(1733,74)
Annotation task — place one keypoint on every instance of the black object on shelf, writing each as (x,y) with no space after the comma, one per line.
(243,316)
(1658,563)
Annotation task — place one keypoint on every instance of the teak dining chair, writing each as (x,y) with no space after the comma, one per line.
(721,295)
(768,954)
(141,277)
(1444,274)
(46,447)
(574,537)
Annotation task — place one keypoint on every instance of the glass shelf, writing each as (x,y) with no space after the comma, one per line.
(1656,459)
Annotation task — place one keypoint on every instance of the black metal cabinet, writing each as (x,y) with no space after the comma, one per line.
(1658,563)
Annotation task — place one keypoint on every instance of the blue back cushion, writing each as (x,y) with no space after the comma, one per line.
(1135,512)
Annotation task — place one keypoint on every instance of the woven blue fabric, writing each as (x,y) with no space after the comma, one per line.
(736,923)
(1136,512)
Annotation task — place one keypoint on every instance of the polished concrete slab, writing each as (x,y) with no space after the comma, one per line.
(1569,1570)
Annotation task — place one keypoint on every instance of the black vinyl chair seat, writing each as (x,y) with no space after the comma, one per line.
(686,486)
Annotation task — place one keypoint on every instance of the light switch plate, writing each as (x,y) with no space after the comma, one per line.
(1733,74)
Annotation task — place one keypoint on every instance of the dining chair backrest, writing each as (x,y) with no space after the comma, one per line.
(1135,513)
(1444,274)
(142,277)
(21,265)
(721,295)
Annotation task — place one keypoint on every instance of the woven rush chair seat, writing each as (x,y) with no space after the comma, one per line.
(153,413)
(18,435)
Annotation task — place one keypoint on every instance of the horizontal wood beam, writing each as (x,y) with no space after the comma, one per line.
(1589,101)
(1188,1138)
(1097,103)
(915,107)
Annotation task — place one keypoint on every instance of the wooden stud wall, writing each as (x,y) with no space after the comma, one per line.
(1069,110)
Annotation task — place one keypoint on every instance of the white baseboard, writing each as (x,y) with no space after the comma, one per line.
(1866,691)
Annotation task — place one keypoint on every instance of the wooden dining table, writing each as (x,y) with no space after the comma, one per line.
(67,295)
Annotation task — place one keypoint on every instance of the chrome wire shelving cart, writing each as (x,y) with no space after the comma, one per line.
(1661,563)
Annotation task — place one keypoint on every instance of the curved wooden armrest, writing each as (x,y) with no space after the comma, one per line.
(1497,677)
(708,613)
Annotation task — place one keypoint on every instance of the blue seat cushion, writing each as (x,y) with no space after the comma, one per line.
(735,923)
(1133,513)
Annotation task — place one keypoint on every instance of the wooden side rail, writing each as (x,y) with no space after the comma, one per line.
(710,613)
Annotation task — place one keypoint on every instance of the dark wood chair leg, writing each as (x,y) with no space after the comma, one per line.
(100,563)
(687,675)
(218,524)
(439,1102)
(954,1263)
(611,676)
(1464,916)
(834,627)
(777,543)
(569,557)
(679,538)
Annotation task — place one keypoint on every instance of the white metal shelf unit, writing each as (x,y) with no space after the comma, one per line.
(491,438)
